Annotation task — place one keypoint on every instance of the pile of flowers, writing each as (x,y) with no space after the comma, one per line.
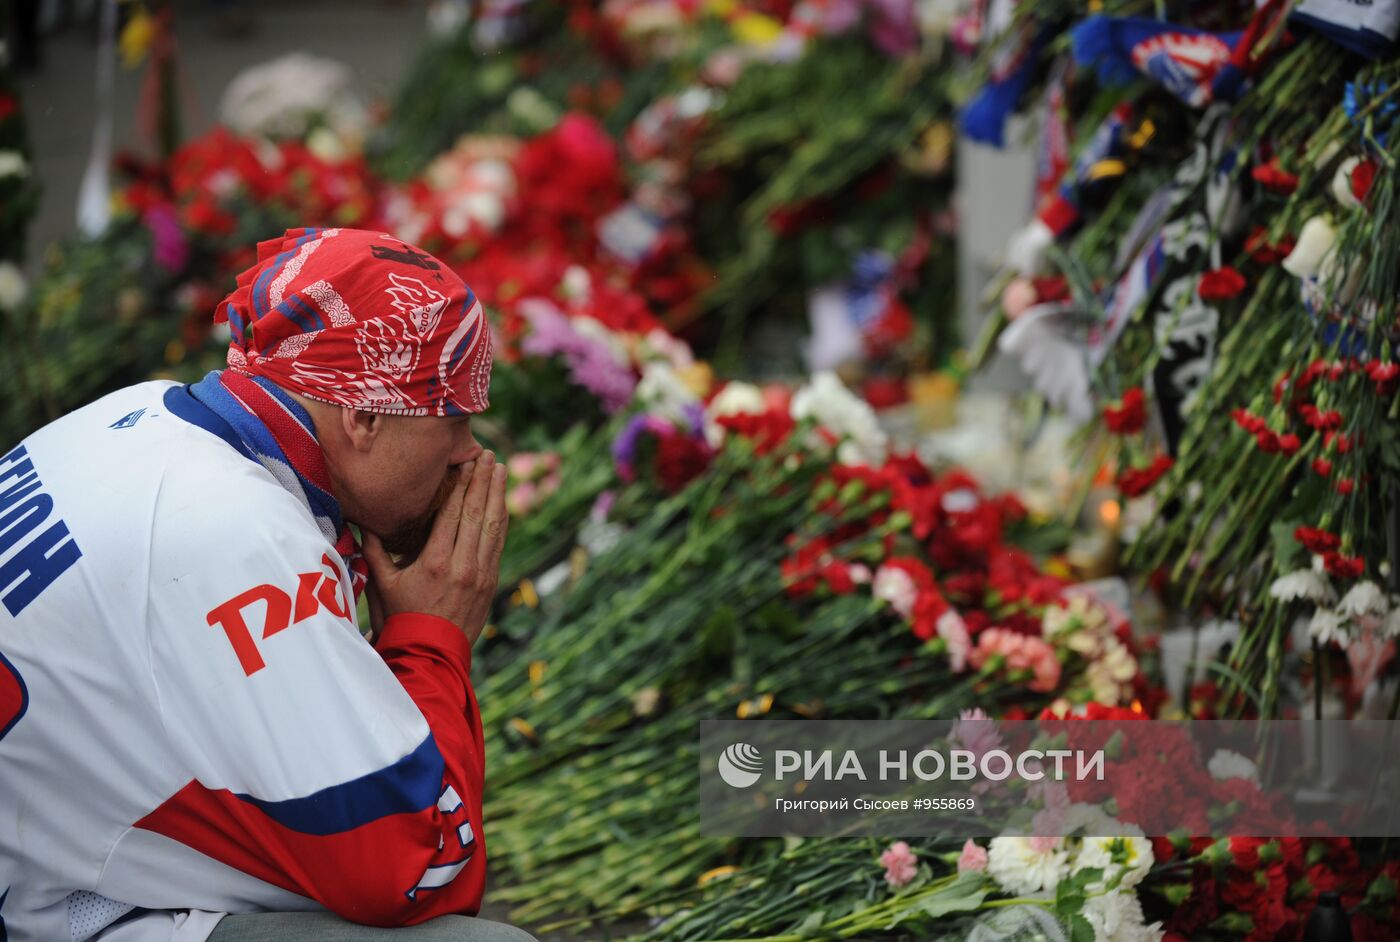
(1228,313)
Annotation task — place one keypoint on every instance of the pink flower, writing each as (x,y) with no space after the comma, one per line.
(521,498)
(972,858)
(953,631)
(900,864)
(522,465)
(1021,653)
(977,732)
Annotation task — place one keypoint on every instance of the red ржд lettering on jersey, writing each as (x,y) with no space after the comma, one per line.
(314,591)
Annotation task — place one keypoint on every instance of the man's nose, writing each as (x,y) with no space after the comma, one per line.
(468,451)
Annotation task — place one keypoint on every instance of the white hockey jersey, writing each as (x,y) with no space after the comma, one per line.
(190,722)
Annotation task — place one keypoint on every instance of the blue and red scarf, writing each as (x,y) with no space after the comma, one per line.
(274,430)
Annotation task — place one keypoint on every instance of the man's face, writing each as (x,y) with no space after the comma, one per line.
(398,486)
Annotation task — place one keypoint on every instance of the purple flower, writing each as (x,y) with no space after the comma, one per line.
(591,364)
(170,248)
(624,447)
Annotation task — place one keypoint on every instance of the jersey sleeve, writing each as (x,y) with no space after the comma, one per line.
(350,775)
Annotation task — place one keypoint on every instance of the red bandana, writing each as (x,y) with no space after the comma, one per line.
(360,319)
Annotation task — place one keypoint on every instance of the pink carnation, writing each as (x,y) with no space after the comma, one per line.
(972,858)
(1021,652)
(900,864)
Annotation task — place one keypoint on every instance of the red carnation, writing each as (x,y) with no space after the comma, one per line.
(1384,375)
(1322,466)
(1220,284)
(1051,288)
(1130,415)
(1248,421)
(1345,486)
(1344,567)
(680,459)
(1274,178)
(1267,441)
(1289,443)
(1136,481)
(1264,252)
(1317,540)
(1362,176)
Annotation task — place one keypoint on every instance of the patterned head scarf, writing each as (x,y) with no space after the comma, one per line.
(360,319)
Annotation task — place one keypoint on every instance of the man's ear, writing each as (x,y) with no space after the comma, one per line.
(361,428)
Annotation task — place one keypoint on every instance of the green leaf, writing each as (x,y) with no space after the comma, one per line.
(1080,930)
(810,926)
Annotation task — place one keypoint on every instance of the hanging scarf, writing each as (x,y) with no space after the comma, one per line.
(277,432)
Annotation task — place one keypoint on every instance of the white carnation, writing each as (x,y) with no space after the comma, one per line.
(895,586)
(1303,584)
(827,401)
(1023,865)
(663,392)
(1364,598)
(736,399)
(1227,764)
(1327,626)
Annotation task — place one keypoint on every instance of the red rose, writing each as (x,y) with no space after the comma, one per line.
(1221,284)
(1274,178)
(1137,481)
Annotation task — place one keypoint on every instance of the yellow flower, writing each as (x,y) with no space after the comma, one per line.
(755,29)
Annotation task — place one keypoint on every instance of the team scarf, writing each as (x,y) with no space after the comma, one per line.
(278,432)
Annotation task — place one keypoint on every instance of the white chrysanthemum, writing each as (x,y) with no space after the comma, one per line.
(1327,626)
(1111,671)
(12,164)
(1117,917)
(827,401)
(1127,854)
(1023,865)
(13,288)
(1364,598)
(895,586)
(1303,584)
(1228,764)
